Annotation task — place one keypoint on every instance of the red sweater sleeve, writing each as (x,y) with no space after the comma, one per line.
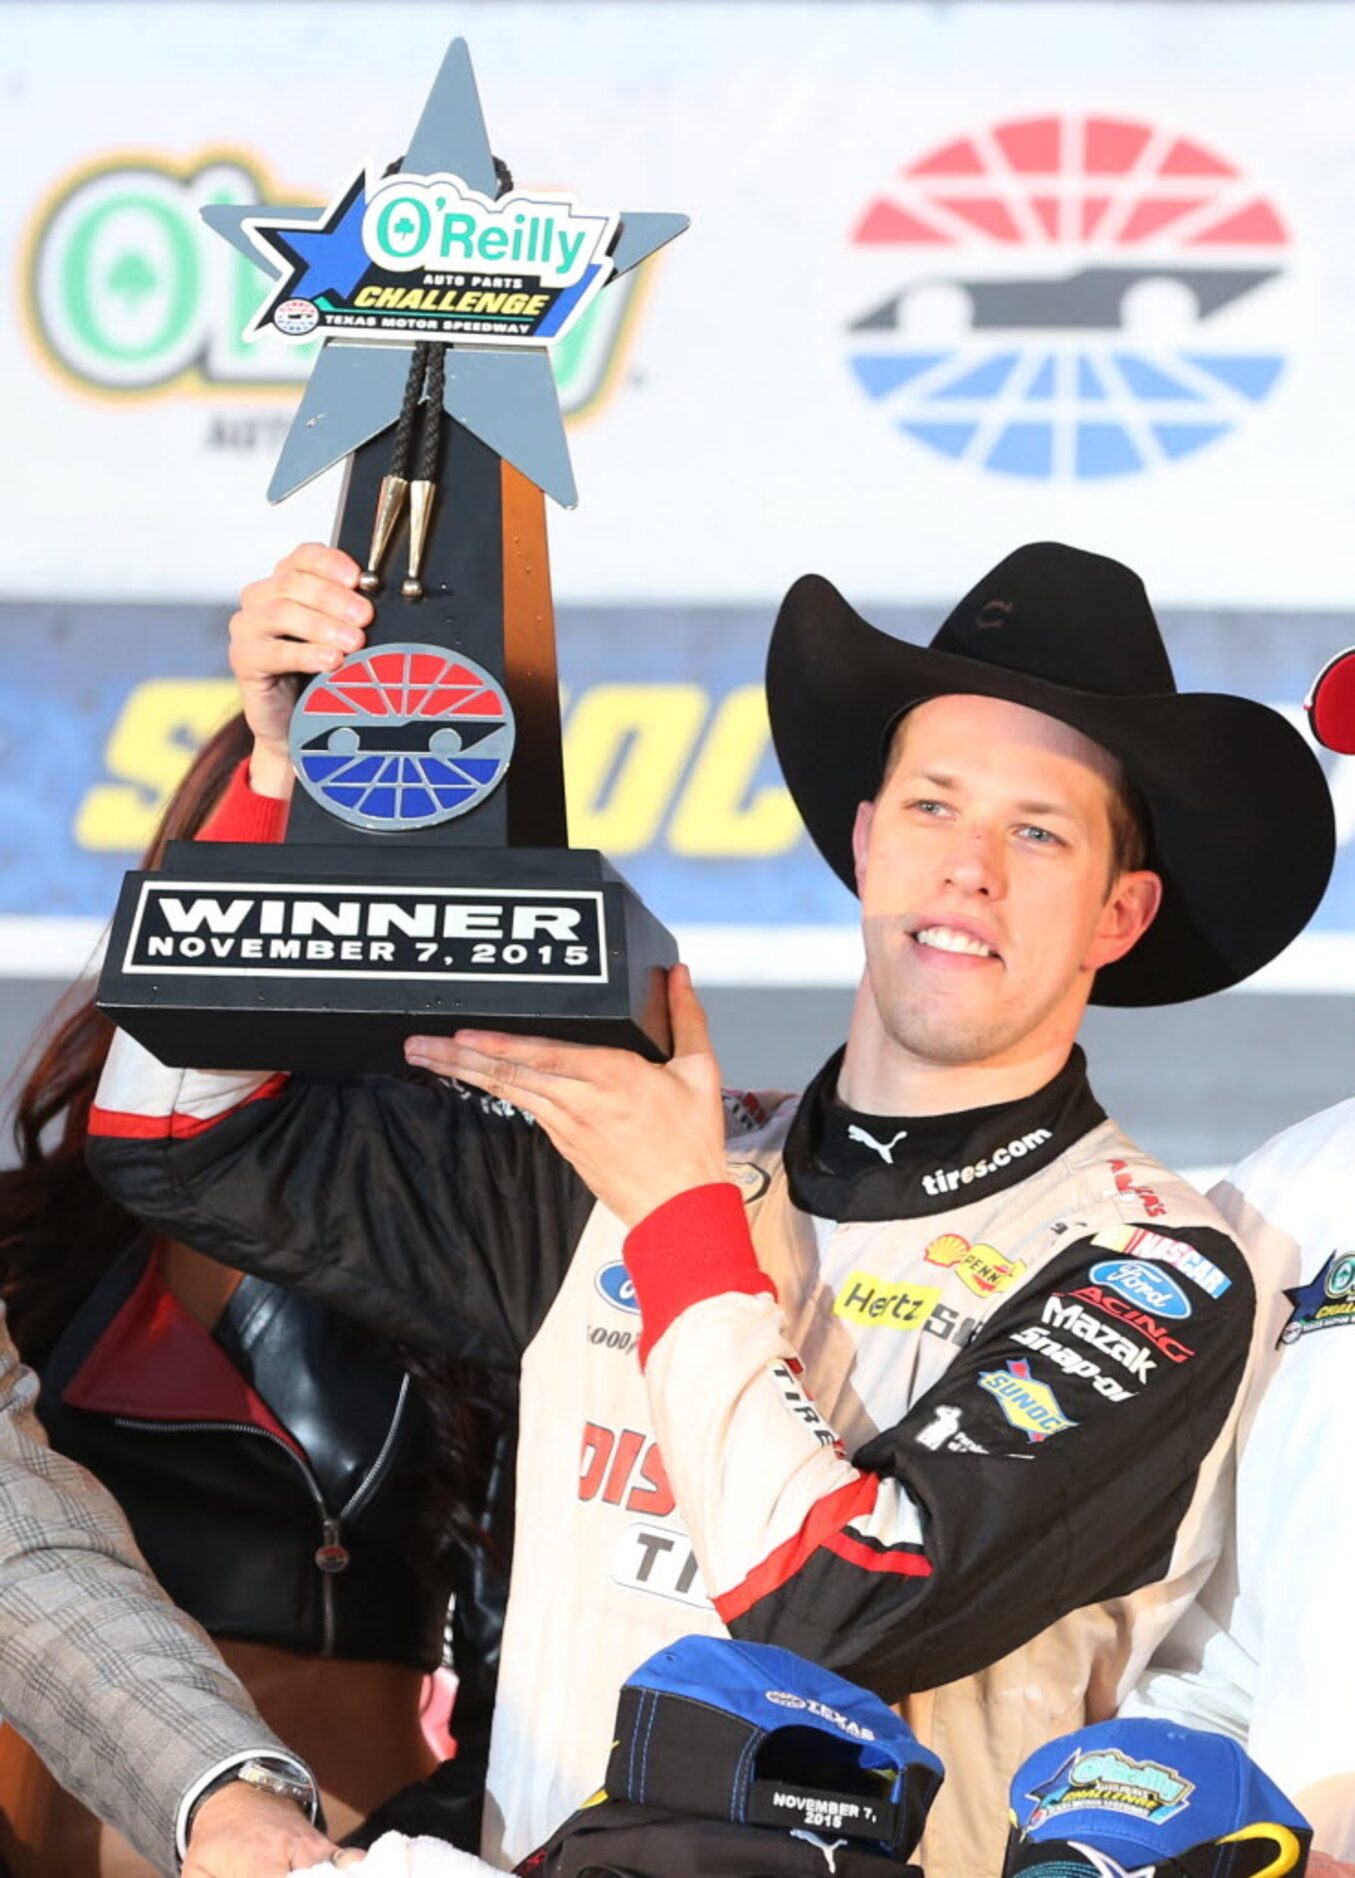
(241,815)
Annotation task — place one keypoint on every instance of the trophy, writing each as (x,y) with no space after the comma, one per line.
(425,882)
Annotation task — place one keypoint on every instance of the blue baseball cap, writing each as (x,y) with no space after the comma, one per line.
(746,1733)
(1150,1799)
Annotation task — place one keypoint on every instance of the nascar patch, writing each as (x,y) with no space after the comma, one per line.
(1187,1259)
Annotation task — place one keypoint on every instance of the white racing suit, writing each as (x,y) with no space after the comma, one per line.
(1026,1335)
(1268,1653)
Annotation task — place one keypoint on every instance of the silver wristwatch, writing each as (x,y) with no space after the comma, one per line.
(277,1780)
(266,1777)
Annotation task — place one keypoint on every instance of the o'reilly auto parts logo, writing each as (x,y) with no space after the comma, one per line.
(418,256)
(1068,297)
(130,294)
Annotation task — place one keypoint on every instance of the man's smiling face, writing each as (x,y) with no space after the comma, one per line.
(989,894)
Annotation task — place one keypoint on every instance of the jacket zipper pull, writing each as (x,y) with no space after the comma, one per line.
(332,1556)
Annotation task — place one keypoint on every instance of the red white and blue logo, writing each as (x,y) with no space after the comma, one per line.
(1068,297)
(402,737)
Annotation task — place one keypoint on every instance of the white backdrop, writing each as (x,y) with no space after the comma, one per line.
(728,441)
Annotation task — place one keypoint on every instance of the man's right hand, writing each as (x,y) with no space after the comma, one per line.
(242,1833)
(307,617)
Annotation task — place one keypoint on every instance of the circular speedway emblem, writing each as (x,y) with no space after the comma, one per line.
(1069,297)
(296,318)
(402,737)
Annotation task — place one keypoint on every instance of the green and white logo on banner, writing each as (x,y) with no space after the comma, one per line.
(131,294)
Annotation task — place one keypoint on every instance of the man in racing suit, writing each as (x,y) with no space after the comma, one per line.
(943,1261)
(1267,1654)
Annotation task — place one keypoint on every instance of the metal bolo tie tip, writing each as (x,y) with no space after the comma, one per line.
(423,387)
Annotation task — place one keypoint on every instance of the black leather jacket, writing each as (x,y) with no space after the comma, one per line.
(273,1471)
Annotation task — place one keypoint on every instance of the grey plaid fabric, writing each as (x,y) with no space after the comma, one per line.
(121,1694)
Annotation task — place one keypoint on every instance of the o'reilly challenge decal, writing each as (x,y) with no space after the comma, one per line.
(130,294)
(429,257)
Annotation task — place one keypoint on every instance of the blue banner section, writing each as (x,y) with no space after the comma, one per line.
(668,758)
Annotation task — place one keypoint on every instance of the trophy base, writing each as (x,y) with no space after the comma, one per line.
(298,957)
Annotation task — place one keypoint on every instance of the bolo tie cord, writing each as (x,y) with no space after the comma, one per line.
(424,385)
(421,409)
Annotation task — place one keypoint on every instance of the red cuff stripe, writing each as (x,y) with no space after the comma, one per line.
(693,1247)
(241,815)
(176,1127)
(826,1519)
(898,1559)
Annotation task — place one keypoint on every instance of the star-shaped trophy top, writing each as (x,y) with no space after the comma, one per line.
(440,251)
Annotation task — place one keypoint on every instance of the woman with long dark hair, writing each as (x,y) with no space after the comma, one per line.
(313,1495)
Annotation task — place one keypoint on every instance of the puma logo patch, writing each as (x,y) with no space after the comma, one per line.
(885,1149)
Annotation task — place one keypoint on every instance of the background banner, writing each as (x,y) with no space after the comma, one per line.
(668,763)
(958,276)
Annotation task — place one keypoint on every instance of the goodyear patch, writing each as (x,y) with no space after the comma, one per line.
(880,1305)
(1028,1404)
(982,1268)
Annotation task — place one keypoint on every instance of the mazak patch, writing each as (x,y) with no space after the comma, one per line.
(1325,1302)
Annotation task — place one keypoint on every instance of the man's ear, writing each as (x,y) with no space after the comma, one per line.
(1130,909)
(861,827)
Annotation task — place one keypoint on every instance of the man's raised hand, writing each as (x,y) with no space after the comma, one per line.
(637,1133)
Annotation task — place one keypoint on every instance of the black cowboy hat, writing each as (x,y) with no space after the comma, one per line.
(1242,831)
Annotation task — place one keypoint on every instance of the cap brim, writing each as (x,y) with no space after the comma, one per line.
(1244,835)
(1068,1857)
